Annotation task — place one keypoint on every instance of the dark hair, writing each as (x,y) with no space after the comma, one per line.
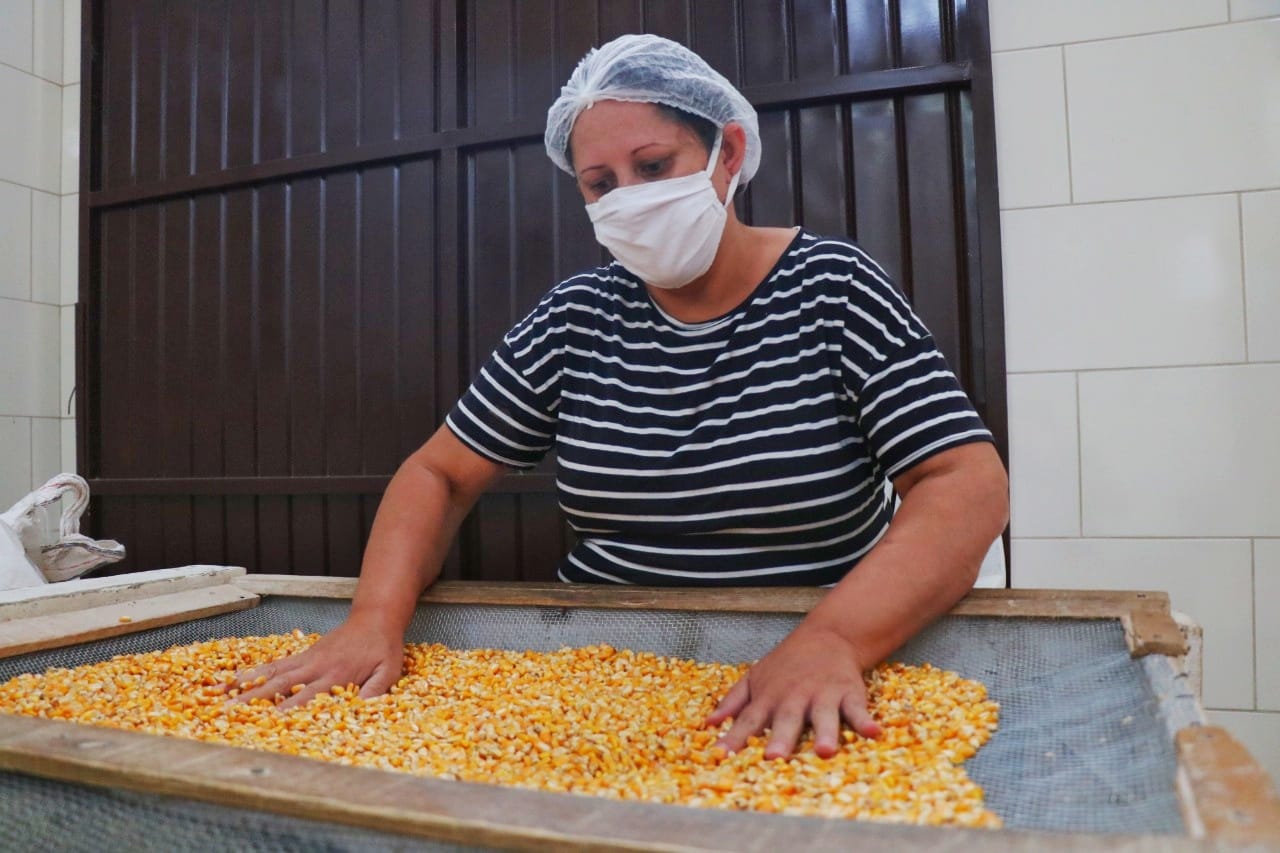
(704,129)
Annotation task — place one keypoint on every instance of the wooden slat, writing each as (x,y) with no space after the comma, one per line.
(355,484)
(1224,793)
(1148,624)
(1027,603)
(481,815)
(19,636)
(310,161)
(95,592)
(1151,632)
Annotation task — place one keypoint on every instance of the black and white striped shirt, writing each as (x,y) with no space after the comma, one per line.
(748,450)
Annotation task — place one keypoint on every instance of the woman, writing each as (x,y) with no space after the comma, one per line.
(727,404)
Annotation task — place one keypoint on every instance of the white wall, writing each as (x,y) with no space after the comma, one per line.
(1139,158)
(39,174)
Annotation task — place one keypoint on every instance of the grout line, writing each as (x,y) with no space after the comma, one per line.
(32,73)
(57,264)
(34,301)
(1246,711)
(1138,538)
(1244,276)
(37,76)
(1079,463)
(1207,26)
(1135,199)
(31,245)
(12,182)
(1134,368)
(1253,613)
(1066,117)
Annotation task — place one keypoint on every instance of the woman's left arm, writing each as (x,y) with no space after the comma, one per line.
(954,505)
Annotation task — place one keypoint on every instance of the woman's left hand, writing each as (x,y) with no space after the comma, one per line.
(813,676)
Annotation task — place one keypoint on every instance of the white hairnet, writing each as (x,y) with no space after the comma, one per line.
(650,69)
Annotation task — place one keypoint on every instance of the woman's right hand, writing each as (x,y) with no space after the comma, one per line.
(359,651)
(419,515)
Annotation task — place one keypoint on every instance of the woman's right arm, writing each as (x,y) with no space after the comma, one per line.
(419,515)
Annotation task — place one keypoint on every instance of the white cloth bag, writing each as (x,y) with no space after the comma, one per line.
(40,545)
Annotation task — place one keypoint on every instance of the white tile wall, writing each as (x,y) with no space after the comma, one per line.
(47,39)
(69,249)
(1123,285)
(46,236)
(30,157)
(1180,568)
(1043,460)
(70,138)
(69,255)
(1261,215)
(1031,128)
(1188,452)
(31,236)
(46,450)
(1243,9)
(15,460)
(35,441)
(1176,113)
(1164,101)
(1028,23)
(29,354)
(15,241)
(68,445)
(1266,620)
(71,41)
(1260,734)
(15,35)
(67,371)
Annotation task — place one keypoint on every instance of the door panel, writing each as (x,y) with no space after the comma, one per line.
(308,224)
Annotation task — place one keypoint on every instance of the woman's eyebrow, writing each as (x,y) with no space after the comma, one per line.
(634,151)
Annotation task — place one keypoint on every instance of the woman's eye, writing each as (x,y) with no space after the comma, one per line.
(653,169)
(600,187)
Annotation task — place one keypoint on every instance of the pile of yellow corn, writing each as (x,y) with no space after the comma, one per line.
(592,720)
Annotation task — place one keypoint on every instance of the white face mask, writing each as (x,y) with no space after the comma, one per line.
(665,232)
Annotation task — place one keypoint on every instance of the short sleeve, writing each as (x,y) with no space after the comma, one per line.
(509,414)
(913,408)
(909,403)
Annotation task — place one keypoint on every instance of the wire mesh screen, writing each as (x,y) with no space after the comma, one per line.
(1082,743)
(40,814)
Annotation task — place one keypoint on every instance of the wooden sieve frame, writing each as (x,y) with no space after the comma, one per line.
(1226,798)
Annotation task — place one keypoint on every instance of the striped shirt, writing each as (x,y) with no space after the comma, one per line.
(749,450)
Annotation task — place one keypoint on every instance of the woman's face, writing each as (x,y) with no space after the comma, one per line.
(619,143)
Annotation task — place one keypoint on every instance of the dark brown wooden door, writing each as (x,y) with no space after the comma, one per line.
(305,225)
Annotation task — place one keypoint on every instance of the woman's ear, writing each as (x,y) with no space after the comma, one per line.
(733,147)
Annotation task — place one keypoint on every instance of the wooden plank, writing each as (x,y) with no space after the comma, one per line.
(1193,661)
(1152,632)
(1059,603)
(1028,603)
(54,630)
(95,592)
(482,815)
(1224,793)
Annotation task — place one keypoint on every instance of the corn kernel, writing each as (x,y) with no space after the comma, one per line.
(597,720)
